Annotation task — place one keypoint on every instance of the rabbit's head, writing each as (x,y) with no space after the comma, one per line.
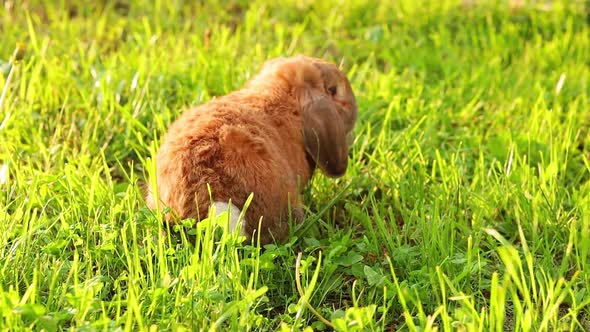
(327,104)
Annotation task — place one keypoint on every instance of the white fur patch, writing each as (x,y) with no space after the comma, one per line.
(234,214)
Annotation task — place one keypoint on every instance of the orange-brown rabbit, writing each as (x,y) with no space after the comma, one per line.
(265,139)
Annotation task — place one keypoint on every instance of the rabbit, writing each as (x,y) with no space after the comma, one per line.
(266,139)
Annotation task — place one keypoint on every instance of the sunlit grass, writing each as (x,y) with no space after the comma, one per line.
(466,205)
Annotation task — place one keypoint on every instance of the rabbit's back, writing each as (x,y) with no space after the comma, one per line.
(236,146)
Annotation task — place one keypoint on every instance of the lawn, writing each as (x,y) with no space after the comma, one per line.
(466,204)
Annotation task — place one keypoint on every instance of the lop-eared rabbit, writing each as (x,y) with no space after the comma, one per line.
(267,139)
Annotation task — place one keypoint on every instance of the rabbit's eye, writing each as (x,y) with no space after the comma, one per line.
(332,90)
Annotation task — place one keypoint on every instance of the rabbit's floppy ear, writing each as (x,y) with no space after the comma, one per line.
(324,136)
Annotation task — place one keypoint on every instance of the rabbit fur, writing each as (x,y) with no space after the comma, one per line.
(267,138)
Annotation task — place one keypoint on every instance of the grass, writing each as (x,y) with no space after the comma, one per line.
(466,205)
